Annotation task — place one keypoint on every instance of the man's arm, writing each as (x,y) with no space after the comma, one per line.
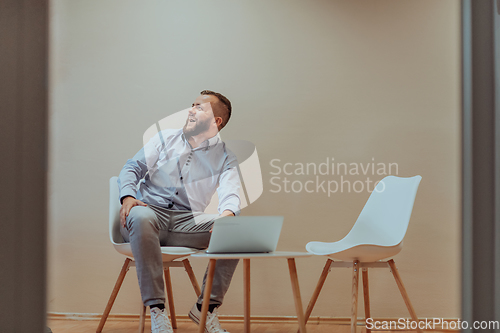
(229,188)
(133,171)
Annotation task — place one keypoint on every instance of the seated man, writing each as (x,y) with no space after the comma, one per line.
(178,171)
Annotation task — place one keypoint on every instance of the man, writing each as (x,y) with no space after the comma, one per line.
(178,171)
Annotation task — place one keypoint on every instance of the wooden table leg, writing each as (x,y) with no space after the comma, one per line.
(192,277)
(114,293)
(142,318)
(354,309)
(206,295)
(366,294)
(170,297)
(246,297)
(403,292)
(296,294)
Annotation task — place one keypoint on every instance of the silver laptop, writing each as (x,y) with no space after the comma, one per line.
(245,234)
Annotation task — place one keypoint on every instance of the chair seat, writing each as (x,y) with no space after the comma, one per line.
(168,253)
(346,251)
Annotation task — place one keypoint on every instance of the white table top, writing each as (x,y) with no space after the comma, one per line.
(276,254)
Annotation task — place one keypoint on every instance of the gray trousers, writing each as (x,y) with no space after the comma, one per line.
(148,228)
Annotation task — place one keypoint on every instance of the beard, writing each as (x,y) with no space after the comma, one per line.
(198,128)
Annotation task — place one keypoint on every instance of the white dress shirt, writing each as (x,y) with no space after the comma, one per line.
(173,175)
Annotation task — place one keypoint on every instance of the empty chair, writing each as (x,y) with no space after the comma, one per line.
(170,256)
(377,234)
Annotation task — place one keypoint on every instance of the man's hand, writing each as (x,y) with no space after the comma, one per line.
(224,213)
(127,205)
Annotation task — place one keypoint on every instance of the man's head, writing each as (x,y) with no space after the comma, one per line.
(221,107)
(210,112)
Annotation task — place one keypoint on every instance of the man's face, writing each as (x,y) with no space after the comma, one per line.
(201,117)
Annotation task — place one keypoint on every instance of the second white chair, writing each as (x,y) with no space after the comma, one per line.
(170,256)
(377,234)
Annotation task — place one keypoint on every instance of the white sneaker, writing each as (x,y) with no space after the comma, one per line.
(212,325)
(160,322)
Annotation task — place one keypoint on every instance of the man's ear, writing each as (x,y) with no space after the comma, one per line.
(218,121)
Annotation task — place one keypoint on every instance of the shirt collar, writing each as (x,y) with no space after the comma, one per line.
(207,143)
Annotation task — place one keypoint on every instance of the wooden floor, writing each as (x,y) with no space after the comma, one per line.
(114,326)
(89,326)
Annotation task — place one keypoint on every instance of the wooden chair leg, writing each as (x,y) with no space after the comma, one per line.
(316,292)
(319,286)
(366,294)
(142,319)
(403,292)
(170,297)
(354,309)
(114,293)
(192,277)
(296,294)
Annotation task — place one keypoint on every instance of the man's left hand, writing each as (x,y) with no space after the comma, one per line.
(224,213)
(227,213)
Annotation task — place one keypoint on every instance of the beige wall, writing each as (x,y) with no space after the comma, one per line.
(309,80)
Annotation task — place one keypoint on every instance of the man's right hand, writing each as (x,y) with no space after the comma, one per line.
(127,204)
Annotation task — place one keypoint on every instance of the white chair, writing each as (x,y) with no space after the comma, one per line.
(170,256)
(377,234)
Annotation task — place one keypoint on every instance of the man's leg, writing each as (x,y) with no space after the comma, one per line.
(142,230)
(224,270)
(193,230)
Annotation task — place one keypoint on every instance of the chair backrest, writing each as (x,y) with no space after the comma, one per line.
(114,212)
(385,217)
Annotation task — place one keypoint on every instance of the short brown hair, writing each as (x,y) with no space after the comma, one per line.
(224,111)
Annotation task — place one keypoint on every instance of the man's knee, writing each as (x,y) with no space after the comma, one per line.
(141,218)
